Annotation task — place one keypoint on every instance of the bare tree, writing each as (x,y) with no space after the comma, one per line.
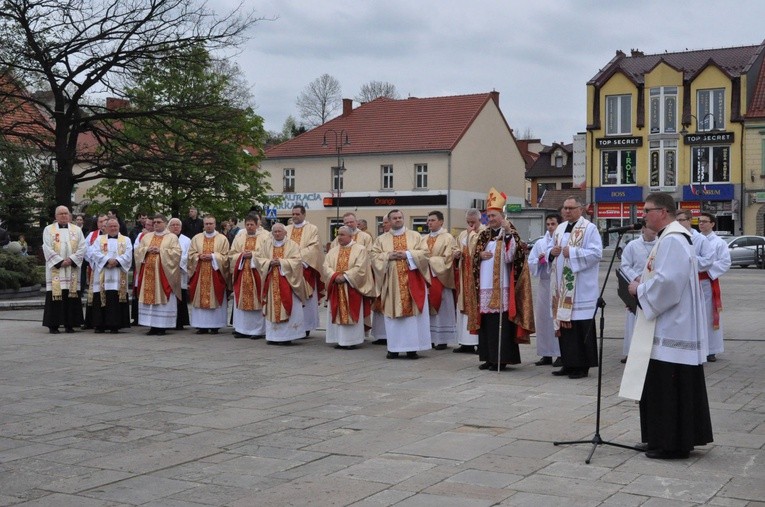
(78,51)
(376,89)
(527,134)
(319,100)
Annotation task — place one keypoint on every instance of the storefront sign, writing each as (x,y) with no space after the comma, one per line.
(289,200)
(618,142)
(708,192)
(709,138)
(387,201)
(619,194)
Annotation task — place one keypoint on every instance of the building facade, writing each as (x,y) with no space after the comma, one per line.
(415,154)
(671,122)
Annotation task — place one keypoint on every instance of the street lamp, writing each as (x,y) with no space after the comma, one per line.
(687,121)
(341,139)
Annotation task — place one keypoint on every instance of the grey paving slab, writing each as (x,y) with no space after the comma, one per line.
(190,420)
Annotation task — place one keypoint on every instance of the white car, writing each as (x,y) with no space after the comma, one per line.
(744,249)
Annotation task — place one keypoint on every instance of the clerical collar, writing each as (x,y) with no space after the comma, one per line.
(211,234)
(353,231)
(570,226)
(300,225)
(436,233)
(63,226)
(113,237)
(160,233)
(398,232)
(279,243)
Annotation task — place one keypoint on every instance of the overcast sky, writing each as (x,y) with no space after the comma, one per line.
(538,54)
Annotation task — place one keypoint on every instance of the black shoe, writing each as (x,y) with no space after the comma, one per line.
(380,341)
(464,349)
(578,374)
(502,367)
(624,360)
(562,372)
(711,358)
(557,363)
(115,331)
(214,331)
(257,337)
(282,344)
(307,334)
(237,334)
(662,454)
(201,331)
(392,355)
(53,330)
(179,328)
(546,360)
(412,355)
(98,331)
(69,329)
(440,346)
(486,366)
(152,331)
(160,332)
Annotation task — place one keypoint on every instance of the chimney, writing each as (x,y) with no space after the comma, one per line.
(495,97)
(347,107)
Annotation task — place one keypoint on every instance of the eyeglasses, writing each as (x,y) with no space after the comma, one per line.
(705,221)
(683,220)
(648,210)
(569,208)
(157,222)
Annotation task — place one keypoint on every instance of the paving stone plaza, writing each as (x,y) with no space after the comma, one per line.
(91,420)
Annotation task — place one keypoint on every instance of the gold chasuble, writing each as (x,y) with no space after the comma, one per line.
(401,290)
(346,299)
(207,286)
(246,279)
(279,282)
(467,302)
(160,274)
(441,247)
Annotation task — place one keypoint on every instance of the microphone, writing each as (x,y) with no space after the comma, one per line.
(631,227)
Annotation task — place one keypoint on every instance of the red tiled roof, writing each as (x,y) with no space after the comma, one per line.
(554,199)
(733,61)
(393,126)
(757,106)
(20,119)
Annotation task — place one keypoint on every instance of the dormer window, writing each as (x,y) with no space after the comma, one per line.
(558,160)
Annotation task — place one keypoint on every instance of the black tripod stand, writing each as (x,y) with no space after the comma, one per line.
(596,439)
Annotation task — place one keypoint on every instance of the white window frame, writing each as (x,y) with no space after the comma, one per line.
(663,104)
(720,164)
(662,164)
(421,176)
(288,180)
(620,170)
(710,109)
(420,224)
(337,179)
(386,177)
(618,115)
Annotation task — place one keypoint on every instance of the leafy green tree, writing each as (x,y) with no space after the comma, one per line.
(74,52)
(165,165)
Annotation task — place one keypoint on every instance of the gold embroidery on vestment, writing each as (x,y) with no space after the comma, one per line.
(344,316)
(402,270)
(205,273)
(151,265)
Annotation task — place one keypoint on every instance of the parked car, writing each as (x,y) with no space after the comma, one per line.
(530,243)
(628,236)
(743,249)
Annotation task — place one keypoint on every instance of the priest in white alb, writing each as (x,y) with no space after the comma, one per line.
(248,318)
(402,274)
(443,310)
(111,256)
(306,235)
(348,278)
(208,265)
(277,259)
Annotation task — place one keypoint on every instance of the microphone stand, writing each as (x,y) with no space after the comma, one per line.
(596,439)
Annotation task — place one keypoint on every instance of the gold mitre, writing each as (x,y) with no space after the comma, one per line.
(496,200)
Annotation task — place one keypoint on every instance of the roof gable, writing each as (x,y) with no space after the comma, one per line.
(394,126)
(757,105)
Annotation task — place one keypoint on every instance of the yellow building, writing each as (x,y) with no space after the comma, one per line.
(671,122)
(415,154)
